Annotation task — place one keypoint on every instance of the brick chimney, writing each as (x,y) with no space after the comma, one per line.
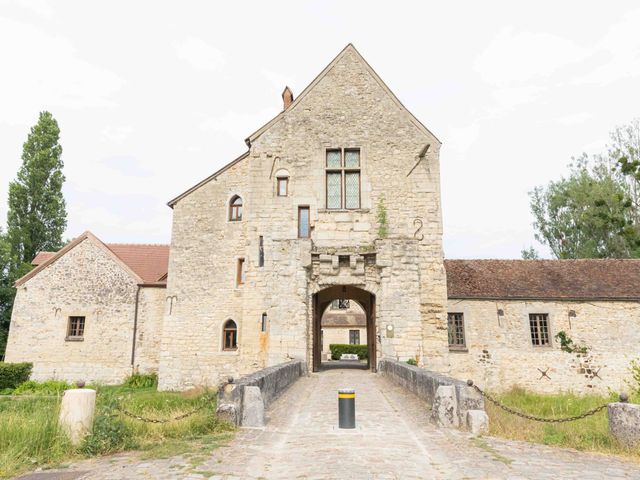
(287,97)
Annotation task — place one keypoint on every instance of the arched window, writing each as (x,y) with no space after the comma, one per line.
(230,336)
(235,209)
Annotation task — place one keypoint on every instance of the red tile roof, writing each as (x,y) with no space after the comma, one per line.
(544,279)
(149,262)
(344,320)
(41,257)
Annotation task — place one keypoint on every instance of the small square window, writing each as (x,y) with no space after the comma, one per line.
(283,186)
(539,326)
(354,337)
(75,328)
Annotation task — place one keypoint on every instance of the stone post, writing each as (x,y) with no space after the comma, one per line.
(76,413)
(624,422)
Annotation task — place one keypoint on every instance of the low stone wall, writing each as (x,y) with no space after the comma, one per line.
(451,399)
(243,406)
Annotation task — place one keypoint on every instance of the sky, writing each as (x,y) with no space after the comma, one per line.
(152,97)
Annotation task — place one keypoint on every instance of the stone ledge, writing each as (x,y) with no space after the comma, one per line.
(270,381)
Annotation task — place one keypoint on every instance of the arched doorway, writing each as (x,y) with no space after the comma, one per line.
(322,300)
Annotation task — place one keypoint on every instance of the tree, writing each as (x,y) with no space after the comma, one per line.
(37,214)
(624,152)
(590,214)
(6,291)
(530,254)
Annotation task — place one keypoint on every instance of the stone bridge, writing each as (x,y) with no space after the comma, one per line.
(394,439)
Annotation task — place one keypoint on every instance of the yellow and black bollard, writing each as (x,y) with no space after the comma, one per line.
(346,408)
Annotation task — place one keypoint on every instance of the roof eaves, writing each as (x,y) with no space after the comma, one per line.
(171,203)
(76,241)
(543,298)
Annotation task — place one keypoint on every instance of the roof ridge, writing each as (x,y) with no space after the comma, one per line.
(140,244)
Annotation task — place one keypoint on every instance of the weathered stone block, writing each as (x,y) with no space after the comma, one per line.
(445,409)
(252,407)
(76,413)
(477,422)
(624,423)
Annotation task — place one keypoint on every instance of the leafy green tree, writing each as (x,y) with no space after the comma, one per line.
(6,291)
(530,254)
(37,214)
(624,152)
(590,214)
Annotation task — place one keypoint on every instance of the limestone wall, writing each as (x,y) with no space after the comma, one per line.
(86,281)
(347,108)
(501,355)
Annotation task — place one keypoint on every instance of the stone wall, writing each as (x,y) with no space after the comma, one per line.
(500,353)
(88,282)
(425,384)
(272,382)
(347,107)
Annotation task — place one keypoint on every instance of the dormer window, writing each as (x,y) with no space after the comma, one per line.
(235,209)
(343,178)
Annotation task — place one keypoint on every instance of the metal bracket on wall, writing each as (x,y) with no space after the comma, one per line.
(421,156)
(544,374)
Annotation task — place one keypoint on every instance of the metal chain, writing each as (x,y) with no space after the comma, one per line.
(532,417)
(162,420)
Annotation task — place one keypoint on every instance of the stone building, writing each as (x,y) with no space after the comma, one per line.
(343,322)
(336,198)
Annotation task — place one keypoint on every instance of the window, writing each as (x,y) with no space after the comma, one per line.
(75,328)
(539,325)
(283,186)
(261,252)
(340,304)
(230,336)
(354,337)
(456,330)
(303,222)
(241,273)
(235,209)
(343,178)
(263,326)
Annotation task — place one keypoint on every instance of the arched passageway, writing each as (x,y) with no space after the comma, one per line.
(366,300)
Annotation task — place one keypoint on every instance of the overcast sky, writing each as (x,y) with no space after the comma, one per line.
(151,97)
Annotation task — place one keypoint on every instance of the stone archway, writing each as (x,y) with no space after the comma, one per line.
(367,301)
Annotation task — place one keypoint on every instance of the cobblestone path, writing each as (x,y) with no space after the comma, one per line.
(393,440)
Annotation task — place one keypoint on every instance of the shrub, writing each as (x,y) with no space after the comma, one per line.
(142,380)
(634,369)
(13,374)
(110,433)
(337,349)
(48,387)
(412,361)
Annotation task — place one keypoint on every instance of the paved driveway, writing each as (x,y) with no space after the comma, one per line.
(393,440)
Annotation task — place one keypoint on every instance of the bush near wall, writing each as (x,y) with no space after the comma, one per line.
(337,349)
(13,374)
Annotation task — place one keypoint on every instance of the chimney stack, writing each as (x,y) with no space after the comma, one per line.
(287,97)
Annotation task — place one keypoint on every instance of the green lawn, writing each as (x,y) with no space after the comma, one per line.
(29,435)
(590,434)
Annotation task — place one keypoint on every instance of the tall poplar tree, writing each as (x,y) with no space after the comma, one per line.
(37,215)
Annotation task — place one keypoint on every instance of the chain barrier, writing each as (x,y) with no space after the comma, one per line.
(163,420)
(508,409)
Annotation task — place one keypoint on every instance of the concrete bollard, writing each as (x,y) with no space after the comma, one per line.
(76,413)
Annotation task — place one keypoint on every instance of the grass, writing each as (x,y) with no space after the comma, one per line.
(30,437)
(588,434)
